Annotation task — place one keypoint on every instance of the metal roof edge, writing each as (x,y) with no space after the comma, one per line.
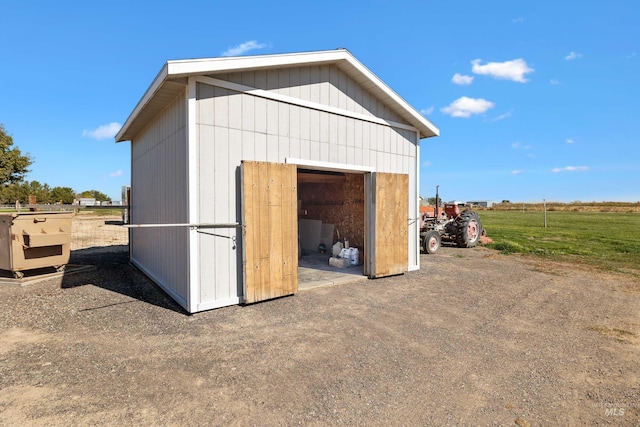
(394,95)
(149,93)
(189,67)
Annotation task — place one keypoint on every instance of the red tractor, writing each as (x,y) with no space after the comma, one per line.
(462,228)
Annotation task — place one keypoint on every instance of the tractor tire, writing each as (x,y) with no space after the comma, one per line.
(469,229)
(431,242)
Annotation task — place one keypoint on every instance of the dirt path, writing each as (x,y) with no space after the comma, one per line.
(474,338)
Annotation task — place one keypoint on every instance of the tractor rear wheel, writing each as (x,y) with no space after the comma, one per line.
(469,229)
(432,242)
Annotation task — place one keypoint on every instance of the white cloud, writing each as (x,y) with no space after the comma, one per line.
(103,132)
(502,116)
(517,171)
(465,107)
(116,174)
(426,164)
(518,145)
(518,21)
(573,55)
(631,55)
(570,169)
(461,79)
(426,111)
(508,70)
(569,141)
(554,82)
(243,47)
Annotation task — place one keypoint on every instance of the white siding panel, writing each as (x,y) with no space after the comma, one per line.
(205,110)
(333,130)
(339,78)
(260,78)
(326,150)
(357,133)
(305,149)
(261,147)
(260,115)
(159,195)
(314,125)
(294,121)
(294,90)
(249,79)
(351,155)
(272,117)
(283,119)
(305,84)
(342,131)
(324,126)
(235,110)
(351,94)
(314,88)
(248,145)
(342,154)
(294,148)
(366,135)
(324,85)
(359,157)
(305,123)
(219,167)
(273,80)
(314,150)
(284,81)
(272,148)
(221,103)
(206,180)
(387,138)
(350,132)
(248,112)
(283,148)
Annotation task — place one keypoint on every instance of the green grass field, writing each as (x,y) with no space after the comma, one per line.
(610,241)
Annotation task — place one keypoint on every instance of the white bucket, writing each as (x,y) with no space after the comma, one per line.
(345,253)
(354,256)
(337,248)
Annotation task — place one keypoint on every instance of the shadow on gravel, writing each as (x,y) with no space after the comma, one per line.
(114,273)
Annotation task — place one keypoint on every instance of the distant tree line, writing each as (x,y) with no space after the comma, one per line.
(44,194)
(14,166)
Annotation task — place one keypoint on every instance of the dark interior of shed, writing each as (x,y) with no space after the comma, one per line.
(334,198)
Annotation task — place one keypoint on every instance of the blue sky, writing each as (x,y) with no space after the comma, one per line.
(534,100)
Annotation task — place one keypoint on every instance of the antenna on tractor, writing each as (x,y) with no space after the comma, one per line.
(437,214)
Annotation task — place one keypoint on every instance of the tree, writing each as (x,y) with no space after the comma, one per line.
(13,165)
(41,192)
(65,195)
(12,192)
(432,201)
(95,194)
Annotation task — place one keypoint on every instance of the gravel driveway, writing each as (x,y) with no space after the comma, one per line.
(473,338)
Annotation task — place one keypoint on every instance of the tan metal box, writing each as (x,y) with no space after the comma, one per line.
(34,240)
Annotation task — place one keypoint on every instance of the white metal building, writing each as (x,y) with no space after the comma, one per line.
(217,146)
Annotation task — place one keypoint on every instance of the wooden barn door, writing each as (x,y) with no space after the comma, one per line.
(389,226)
(269,210)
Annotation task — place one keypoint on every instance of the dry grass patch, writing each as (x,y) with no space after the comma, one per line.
(621,335)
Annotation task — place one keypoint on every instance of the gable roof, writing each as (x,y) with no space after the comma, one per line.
(172,79)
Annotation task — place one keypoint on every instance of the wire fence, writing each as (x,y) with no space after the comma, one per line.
(98,231)
(97,227)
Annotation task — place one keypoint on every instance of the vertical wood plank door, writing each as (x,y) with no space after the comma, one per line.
(391,210)
(269,216)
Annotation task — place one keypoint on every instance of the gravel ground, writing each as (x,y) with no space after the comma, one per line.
(473,338)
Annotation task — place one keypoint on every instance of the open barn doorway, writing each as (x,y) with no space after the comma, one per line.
(331,212)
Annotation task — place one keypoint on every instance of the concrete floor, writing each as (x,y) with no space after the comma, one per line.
(314,271)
